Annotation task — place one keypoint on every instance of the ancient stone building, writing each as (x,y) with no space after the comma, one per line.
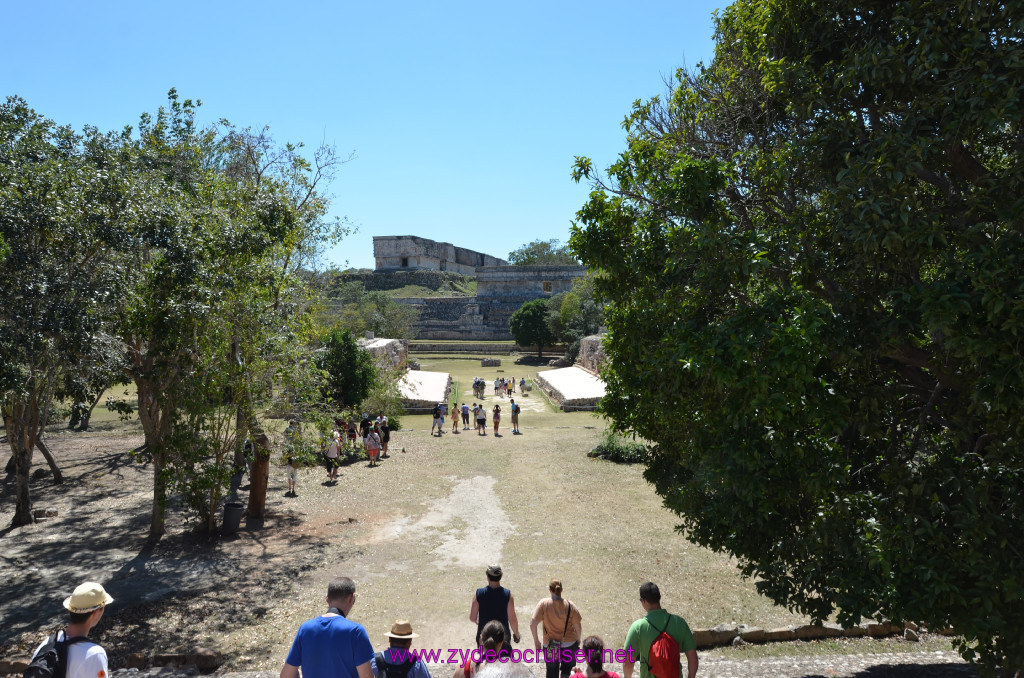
(501,290)
(409,252)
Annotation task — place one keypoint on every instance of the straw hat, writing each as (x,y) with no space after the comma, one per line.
(87,597)
(402,630)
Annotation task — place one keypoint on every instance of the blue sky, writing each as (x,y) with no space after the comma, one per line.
(464,117)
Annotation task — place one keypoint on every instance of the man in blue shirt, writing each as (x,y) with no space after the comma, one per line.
(331,646)
(398,661)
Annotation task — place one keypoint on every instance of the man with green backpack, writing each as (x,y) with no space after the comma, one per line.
(657,639)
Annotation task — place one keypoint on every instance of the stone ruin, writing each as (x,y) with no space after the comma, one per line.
(410,252)
(500,291)
(500,288)
(388,353)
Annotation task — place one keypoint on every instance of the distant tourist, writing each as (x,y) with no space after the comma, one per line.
(512,385)
(385,435)
(496,417)
(494,603)
(364,427)
(352,432)
(497,388)
(332,457)
(331,646)
(514,406)
(481,420)
(645,631)
(397,661)
(455,417)
(438,422)
(465,417)
(522,384)
(70,651)
(563,628)
(593,648)
(372,443)
(291,471)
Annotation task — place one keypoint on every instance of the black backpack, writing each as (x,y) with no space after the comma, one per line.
(386,670)
(52,659)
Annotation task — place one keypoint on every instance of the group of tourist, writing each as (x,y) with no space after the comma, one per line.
(369,434)
(332,646)
(479,416)
(502,386)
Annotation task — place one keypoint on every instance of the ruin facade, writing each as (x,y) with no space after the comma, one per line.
(410,252)
(501,290)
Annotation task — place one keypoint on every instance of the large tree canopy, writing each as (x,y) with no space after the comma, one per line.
(814,255)
(542,252)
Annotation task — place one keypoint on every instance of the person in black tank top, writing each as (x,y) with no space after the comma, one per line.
(494,603)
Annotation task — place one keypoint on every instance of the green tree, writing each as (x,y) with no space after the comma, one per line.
(66,207)
(813,252)
(349,370)
(215,299)
(530,326)
(543,252)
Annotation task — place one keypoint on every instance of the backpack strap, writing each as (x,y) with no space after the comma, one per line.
(62,651)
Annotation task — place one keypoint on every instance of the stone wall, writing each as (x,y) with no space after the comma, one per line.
(525,282)
(396,252)
(592,355)
(393,280)
(393,353)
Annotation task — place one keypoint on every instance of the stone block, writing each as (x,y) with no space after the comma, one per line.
(136,660)
(752,634)
(810,632)
(724,633)
(879,629)
(910,625)
(490,362)
(204,659)
(911,635)
(44,513)
(855,632)
(833,630)
(780,634)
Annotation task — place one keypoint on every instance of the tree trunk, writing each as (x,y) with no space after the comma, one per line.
(540,351)
(153,415)
(20,439)
(84,425)
(258,480)
(58,477)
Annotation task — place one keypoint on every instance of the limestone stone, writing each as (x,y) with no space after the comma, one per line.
(389,353)
(911,635)
(752,634)
(855,632)
(723,634)
(809,632)
(136,660)
(780,634)
(592,355)
(490,362)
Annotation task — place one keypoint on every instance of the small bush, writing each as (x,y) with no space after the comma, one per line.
(618,449)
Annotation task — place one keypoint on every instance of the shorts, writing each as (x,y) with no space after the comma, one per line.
(438,421)
(291,473)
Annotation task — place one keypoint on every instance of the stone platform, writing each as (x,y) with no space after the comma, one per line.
(422,390)
(573,388)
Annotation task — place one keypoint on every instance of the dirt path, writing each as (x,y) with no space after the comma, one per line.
(415,533)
